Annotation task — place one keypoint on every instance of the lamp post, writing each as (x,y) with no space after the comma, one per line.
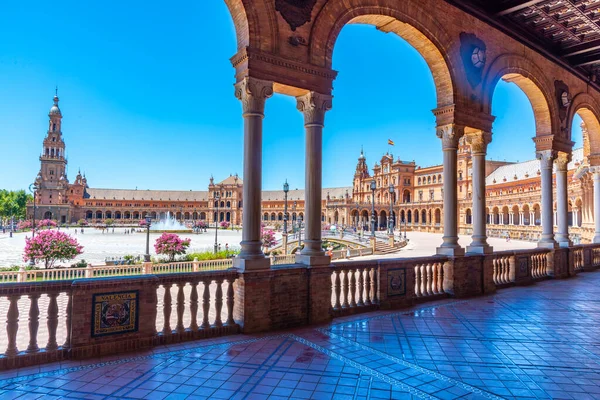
(286,189)
(148,223)
(373,187)
(217,197)
(284,238)
(300,232)
(391,219)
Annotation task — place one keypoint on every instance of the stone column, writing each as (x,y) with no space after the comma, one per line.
(547,158)
(562,200)
(479,142)
(596,175)
(575,216)
(313,105)
(450,134)
(252,93)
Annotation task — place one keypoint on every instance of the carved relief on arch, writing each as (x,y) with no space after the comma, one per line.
(295,12)
(473,55)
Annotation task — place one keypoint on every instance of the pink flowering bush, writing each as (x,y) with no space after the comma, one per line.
(224,224)
(82,222)
(23,225)
(171,245)
(51,246)
(201,224)
(142,222)
(267,238)
(46,223)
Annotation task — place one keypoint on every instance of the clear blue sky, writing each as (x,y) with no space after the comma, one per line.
(147,98)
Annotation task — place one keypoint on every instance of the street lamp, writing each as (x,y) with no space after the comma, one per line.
(286,189)
(300,232)
(148,223)
(33,188)
(391,219)
(217,197)
(373,187)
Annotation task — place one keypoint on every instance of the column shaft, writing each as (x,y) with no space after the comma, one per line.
(313,105)
(253,93)
(546,161)
(596,172)
(562,201)
(479,142)
(450,134)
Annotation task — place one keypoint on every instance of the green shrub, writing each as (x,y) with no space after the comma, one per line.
(80,264)
(209,255)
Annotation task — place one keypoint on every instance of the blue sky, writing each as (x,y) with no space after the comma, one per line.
(147,98)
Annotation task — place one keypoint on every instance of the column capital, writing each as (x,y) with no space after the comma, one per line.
(562,160)
(450,135)
(546,158)
(253,92)
(479,141)
(314,105)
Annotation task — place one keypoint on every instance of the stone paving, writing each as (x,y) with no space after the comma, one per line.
(524,342)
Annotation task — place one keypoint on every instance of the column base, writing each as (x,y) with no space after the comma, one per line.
(450,251)
(547,244)
(563,241)
(310,260)
(243,264)
(596,238)
(480,249)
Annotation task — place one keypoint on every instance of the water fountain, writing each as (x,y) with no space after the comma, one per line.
(169,224)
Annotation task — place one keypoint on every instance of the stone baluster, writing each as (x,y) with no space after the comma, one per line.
(34,322)
(440,268)
(230,300)
(367,287)
(69,317)
(418,281)
(167,310)
(205,304)
(337,289)
(219,303)
(375,286)
(361,288)
(52,322)
(194,307)
(12,325)
(352,288)
(180,307)
(346,289)
(429,280)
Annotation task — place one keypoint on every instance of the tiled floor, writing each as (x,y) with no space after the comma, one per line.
(530,342)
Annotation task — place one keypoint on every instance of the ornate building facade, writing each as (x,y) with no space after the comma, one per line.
(401,193)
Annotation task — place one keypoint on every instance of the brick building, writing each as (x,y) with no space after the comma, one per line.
(414,193)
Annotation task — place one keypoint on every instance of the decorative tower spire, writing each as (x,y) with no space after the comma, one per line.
(362,170)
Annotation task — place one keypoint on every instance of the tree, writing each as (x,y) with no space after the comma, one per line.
(46,223)
(224,224)
(82,222)
(13,204)
(51,246)
(267,237)
(109,222)
(171,245)
(24,225)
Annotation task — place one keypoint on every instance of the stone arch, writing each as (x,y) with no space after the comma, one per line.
(588,109)
(407,19)
(531,80)
(251,24)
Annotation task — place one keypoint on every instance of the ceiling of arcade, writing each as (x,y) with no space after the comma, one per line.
(545,47)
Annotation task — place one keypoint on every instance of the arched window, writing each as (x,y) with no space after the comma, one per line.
(53,129)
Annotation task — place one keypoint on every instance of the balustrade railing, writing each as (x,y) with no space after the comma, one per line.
(596,257)
(429,278)
(539,265)
(578,259)
(502,264)
(355,285)
(196,304)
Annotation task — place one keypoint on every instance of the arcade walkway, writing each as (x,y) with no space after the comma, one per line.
(524,342)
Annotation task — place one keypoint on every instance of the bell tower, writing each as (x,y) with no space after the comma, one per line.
(52,179)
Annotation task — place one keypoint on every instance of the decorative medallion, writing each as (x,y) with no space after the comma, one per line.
(563,98)
(473,53)
(114,313)
(396,279)
(295,12)
(523,267)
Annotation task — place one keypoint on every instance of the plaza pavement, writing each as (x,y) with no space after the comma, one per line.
(538,342)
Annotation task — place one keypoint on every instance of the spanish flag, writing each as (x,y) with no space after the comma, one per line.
(390,142)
